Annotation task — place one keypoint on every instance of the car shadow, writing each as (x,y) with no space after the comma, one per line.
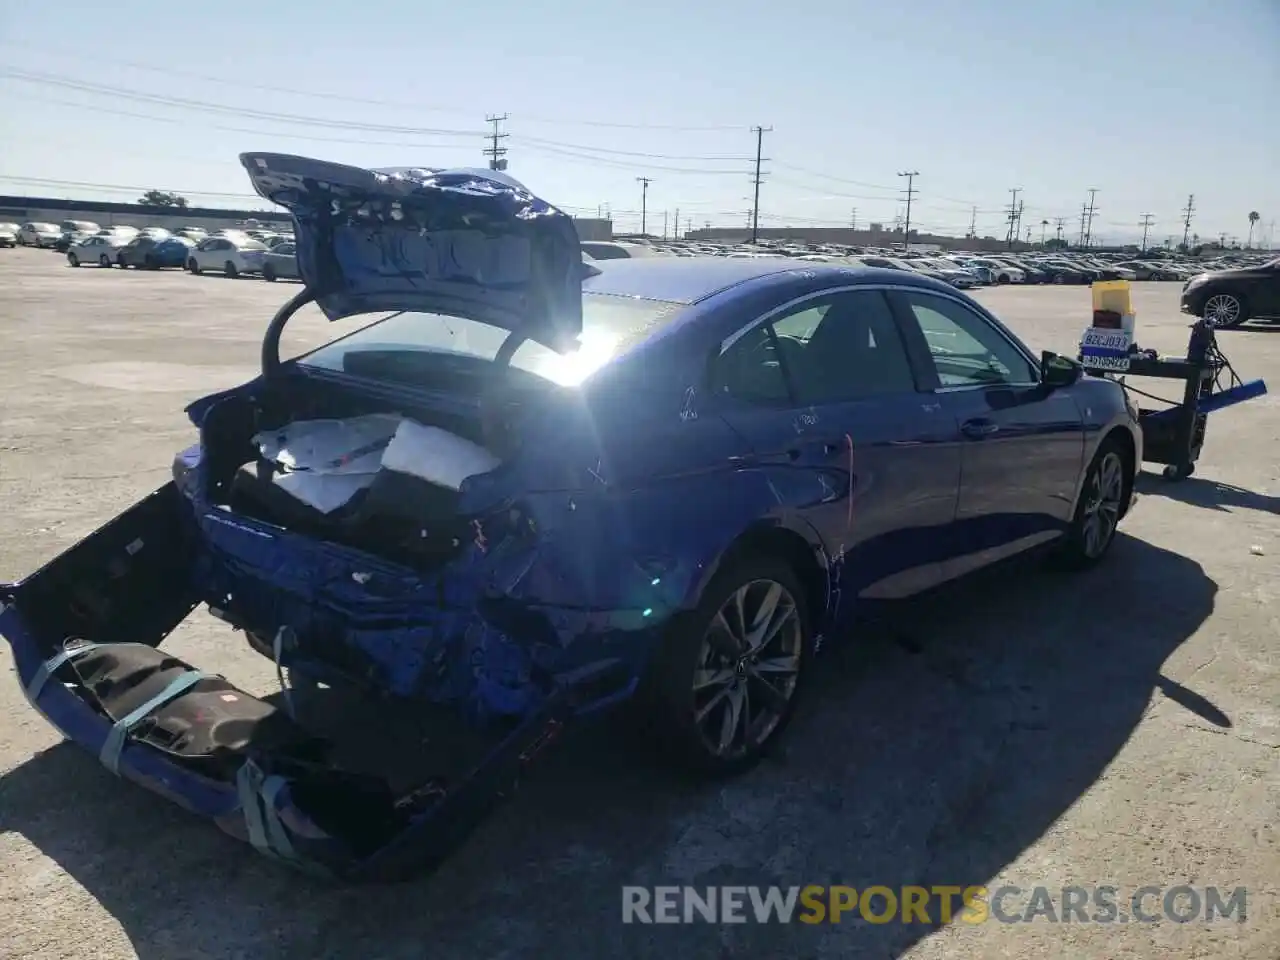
(1210,494)
(935,750)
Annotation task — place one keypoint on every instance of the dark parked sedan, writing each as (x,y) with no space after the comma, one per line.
(1227,298)
(531,489)
(171,252)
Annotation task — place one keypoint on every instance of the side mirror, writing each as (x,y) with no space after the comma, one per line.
(1057,371)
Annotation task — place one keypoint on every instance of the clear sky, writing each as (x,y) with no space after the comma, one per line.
(1146,100)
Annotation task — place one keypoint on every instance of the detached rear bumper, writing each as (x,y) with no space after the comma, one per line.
(273,800)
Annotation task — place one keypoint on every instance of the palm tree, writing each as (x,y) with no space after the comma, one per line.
(1253,218)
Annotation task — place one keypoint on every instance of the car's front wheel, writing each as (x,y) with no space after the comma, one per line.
(104,261)
(229,270)
(192,267)
(1224,310)
(73,259)
(725,681)
(1102,499)
(269,273)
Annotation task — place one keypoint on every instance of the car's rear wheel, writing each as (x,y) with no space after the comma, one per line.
(726,679)
(73,259)
(104,261)
(121,262)
(150,262)
(229,270)
(269,273)
(1224,310)
(193,267)
(1102,499)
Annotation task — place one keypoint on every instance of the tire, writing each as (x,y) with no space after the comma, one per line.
(693,720)
(1223,311)
(1102,498)
(229,270)
(120,262)
(193,267)
(104,261)
(150,262)
(269,273)
(73,259)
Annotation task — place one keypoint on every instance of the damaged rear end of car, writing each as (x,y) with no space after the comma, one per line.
(373,527)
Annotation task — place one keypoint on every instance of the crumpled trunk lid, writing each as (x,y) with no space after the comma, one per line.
(469,243)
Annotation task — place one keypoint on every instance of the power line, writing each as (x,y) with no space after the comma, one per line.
(911,192)
(1145,223)
(755,205)
(222,108)
(494,152)
(521,138)
(86,56)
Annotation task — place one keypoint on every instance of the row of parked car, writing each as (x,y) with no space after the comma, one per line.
(960,269)
(231,252)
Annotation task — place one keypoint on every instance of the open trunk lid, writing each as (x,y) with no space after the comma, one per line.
(469,243)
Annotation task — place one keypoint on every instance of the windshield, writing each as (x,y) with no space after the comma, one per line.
(609,325)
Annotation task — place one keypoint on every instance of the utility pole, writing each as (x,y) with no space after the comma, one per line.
(911,192)
(1061,222)
(973,222)
(1013,215)
(644,204)
(1186,223)
(676,235)
(1088,234)
(1084,212)
(1145,223)
(1018,227)
(664,224)
(494,152)
(853,219)
(1043,226)
(755,203)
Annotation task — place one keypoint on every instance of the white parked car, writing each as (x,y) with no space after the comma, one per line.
(230,255)
(8,234)
(1000,272)
(35,234)
(101,248)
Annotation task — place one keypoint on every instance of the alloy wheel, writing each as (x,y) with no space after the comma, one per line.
(1103,497)
(1222,310)
(747,669)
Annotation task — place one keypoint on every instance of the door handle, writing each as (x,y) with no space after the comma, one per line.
(977,429)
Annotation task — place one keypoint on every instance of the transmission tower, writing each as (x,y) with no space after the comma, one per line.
(494,152)
(1186,223)
(1145,223)
(755,203)
(644,204)
(1088,232)
(911,192)
(1013,215)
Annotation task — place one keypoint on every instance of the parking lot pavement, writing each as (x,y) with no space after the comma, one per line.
(1122,727)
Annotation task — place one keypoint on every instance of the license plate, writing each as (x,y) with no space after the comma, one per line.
(1105,339)
(1105,363)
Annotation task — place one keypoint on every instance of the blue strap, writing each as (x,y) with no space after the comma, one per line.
(47,669)
(267,833)
(116,736)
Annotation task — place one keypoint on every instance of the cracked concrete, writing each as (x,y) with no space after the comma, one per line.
(1028,729)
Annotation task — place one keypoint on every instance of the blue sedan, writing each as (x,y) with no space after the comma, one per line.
(527,489)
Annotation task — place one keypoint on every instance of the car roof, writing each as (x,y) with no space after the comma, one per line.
(692,279)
